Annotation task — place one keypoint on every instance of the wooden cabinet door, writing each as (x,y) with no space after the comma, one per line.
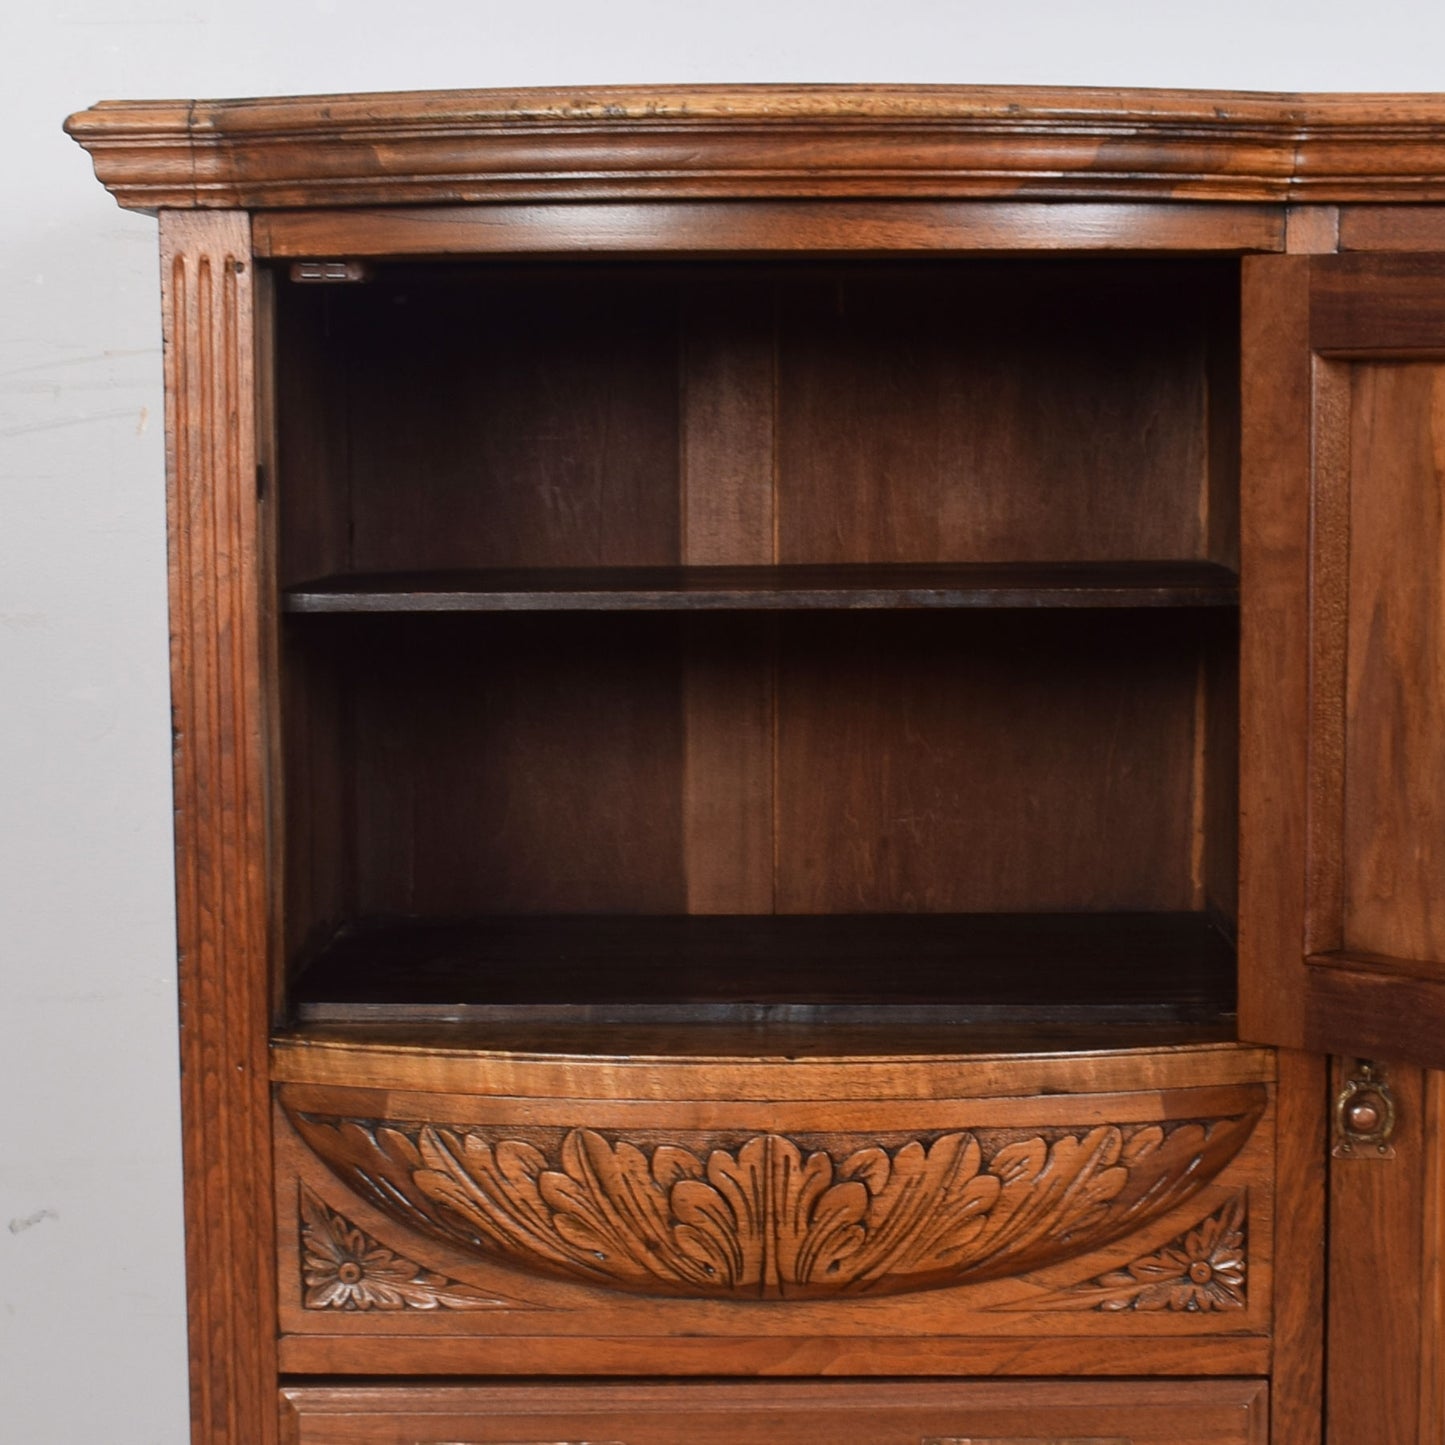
(1342,916)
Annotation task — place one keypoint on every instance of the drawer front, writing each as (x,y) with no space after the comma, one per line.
(1022,1227)
(1167,1412)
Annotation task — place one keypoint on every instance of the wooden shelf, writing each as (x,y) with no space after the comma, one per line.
(781,588)
(849,970)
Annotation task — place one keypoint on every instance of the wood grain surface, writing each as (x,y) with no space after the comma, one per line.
(919,227)
(1393,849)
(1382,1225)
(221,854)
(1274,648)
(749,141)
(936,1413)
(1044,1293)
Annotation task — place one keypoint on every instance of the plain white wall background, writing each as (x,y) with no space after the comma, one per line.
(92,1340)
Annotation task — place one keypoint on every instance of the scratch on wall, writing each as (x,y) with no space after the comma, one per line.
(19,1225)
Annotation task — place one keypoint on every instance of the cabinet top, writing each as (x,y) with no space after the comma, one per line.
(721,142)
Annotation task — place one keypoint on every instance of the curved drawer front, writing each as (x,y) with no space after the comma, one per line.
(963,1207)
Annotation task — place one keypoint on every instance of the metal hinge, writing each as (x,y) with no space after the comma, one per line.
(329,273)
(1364,1114)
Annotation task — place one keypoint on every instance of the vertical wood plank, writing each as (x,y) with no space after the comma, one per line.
(1376,1283)
(1217,796)
(1432,1312)
(1219,497)
(219,723)
(1221,782)
(729,749)
(1329,606)
(728,419)
(1199,791)
(1274,646)
(267,564)
(729,381)
(1297,1377)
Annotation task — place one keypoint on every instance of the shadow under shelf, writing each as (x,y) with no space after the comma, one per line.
(859,971)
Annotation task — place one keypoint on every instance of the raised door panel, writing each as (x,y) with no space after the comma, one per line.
(1342,943)
(1164,1412)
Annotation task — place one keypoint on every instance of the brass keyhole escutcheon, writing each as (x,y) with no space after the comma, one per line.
(1364,1115)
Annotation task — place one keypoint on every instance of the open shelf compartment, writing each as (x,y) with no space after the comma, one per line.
(927,712)
(870,969)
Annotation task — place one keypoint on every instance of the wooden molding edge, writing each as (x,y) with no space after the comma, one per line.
(720,142)
(207,289)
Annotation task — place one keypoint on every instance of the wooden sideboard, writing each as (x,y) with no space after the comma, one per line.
(810,761)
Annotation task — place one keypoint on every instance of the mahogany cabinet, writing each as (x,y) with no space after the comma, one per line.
(810,761)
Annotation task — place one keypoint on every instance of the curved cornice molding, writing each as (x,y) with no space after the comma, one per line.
(716,142)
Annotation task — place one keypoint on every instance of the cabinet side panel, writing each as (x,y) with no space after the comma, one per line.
(207,296)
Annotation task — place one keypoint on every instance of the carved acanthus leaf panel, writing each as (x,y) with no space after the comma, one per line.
(1200,1271)
(344,1268)
(769,1216)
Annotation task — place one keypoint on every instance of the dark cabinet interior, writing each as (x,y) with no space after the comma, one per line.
(760,642)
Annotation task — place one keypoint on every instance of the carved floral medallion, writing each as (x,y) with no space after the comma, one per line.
(769,1216)
(344,1268)
(1200,1271)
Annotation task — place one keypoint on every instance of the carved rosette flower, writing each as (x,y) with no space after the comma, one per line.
(773,1217)
(1200,1271)
(344,1268)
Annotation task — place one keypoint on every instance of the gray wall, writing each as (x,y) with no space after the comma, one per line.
(91,1308)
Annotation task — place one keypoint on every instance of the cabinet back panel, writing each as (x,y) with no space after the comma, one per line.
(519,765)
(1007,763)
(994,412)
(492,420)
(803,764)
(580,416)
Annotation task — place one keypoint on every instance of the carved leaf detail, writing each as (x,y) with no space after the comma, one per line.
(1201,1270)
(344,1268)
(769,1216)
